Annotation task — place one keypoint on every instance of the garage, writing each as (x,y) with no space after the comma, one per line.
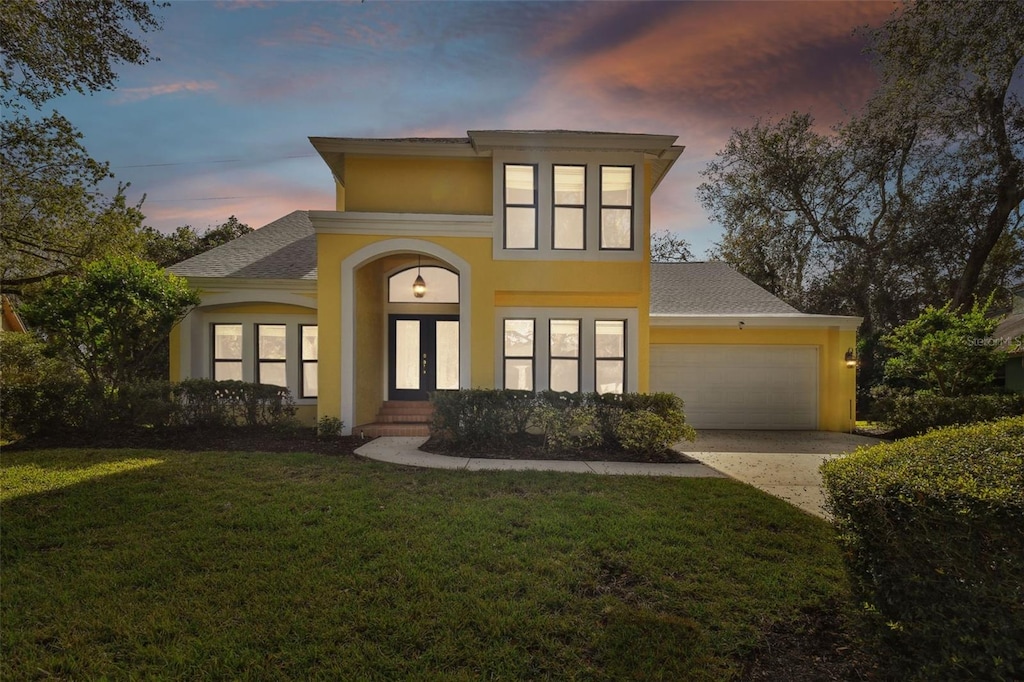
(740,386)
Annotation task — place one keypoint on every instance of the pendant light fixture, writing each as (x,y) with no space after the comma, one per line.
(419,287)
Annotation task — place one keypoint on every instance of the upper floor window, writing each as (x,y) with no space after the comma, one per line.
(569,210)
(520,206)
(616,207)
(227,352)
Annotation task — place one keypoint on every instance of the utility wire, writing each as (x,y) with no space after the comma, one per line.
(213,161)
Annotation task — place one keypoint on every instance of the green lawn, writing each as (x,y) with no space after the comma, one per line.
(154,564)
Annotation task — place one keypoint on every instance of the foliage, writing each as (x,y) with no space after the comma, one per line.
(948,352)
(329,427)
(826,219)
(668,247)
(916,412)
(38,393)
(185,242)
(207,403)
(56,46)
(109,321)
(52,216)
(931,531)
(569,422)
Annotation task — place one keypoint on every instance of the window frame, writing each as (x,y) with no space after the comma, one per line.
(576,358)
(506,205)
(260,360)
(303,361)
(555,206)
(631,207)
(214,360)
(505,357)
(625,353)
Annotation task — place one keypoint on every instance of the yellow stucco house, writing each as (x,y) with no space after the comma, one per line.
(514,259)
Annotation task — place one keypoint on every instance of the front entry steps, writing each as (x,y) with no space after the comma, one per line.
(399,418)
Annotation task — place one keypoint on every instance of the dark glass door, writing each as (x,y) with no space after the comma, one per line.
(423,355)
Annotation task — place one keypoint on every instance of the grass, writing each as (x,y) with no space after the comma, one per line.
(164,564)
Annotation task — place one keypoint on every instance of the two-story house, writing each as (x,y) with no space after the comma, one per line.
(515,259)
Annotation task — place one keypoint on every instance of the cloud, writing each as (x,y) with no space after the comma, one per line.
(125,95)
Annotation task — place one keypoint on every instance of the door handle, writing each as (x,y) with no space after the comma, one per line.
(424,363)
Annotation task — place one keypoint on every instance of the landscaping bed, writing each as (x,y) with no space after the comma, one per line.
(531,447)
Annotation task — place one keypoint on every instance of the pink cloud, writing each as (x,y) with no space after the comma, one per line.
(139,94)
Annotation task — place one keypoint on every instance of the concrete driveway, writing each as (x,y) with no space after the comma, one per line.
(781,463)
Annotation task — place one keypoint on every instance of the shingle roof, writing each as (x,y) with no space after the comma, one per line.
(283,249)
(709,289)
(286,249)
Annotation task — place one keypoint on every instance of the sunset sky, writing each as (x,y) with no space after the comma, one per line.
(219,125)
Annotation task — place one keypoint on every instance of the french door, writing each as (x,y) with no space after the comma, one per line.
(423,355)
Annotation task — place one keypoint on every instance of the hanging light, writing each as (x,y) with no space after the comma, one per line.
(419,287)
(851,359)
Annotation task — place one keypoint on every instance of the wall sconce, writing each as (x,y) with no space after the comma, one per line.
(419,287)
(851,359)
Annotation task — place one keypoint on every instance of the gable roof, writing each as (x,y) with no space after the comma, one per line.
(283,249)
(710,289)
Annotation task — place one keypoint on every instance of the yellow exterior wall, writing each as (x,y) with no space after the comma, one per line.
(416,185)
(259,309)
(371,359)
(837,389)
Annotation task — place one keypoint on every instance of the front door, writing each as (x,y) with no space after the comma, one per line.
(423,355)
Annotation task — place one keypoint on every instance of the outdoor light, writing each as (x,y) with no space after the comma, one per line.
(419,287)
(851,359)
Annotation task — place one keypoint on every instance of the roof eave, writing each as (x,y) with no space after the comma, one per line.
(757,320)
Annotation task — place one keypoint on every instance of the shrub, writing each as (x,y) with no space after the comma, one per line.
(648,432)
(329,427)
(209,403)
(567,422)
(470,416)
(914,413)
(38,394)
(931,528)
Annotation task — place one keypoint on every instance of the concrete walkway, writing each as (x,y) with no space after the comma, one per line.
(405,451)
(781,463)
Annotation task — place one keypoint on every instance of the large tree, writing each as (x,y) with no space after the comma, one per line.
(908,204)
(54,216)
(954,69)
(185,242)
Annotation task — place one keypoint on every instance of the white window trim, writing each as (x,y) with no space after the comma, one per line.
(203,361)
(542,343)
(545,160)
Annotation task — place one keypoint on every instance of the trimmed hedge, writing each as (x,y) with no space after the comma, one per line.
(639,422)
(914,413)
(933,533)
(206,403)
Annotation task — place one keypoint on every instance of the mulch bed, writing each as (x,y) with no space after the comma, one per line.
(532,447)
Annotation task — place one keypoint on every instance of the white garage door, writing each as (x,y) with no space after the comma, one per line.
(740,387)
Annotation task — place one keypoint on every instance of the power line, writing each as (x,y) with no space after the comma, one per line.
(250,196)
(215,161)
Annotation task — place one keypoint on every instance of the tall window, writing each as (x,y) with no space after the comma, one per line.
(309,352)
(565,355)
(520,206)
(270,354)
(570,190)
(519,353)
(609,355)
(227,352)
(616,207)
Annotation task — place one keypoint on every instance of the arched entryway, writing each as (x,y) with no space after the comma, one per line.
(395,345)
